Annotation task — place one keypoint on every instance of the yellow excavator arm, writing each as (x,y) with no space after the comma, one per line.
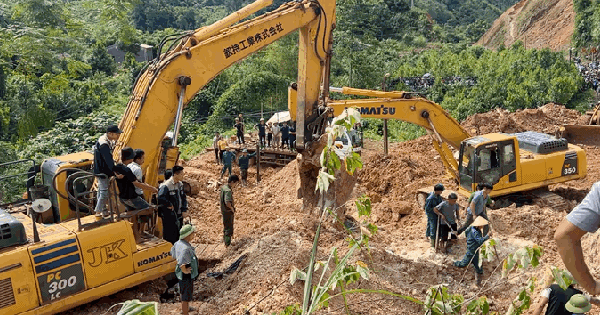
(413,109)
(155,105)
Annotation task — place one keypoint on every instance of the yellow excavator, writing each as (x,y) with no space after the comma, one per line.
(513,163)
(50,268)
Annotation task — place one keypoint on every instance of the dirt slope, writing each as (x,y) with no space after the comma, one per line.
(275,235)
(538,23)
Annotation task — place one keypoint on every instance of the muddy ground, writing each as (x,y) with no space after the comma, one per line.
(275,234)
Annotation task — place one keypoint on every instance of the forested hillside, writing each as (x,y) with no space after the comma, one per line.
(54,66)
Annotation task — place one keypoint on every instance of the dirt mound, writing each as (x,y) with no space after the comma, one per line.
(538,23)
(547,119)
(275,233)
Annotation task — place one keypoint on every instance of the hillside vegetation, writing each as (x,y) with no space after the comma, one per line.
(54,66)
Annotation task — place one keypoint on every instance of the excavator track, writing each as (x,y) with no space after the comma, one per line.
(545,198)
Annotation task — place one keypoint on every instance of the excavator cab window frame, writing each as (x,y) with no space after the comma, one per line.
(466,173)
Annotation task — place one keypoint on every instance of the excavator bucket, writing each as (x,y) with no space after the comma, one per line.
(581,134)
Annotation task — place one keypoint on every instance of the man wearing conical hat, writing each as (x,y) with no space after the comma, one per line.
(475,239)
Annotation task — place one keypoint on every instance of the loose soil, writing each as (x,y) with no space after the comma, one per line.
(537,23)
(275,233)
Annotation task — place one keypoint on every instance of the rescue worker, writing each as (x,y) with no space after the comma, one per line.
(261,132)
(239,126)
(136,168)
(475,239)
(243,162)
(128,183)
(216,140)
(228,208)
(447,211)
(222,147)
(285,135)
(557,298)
(172,205)
(276,135)
(186,269)
(432,201)
(488,202)
(269,134)
(585,218)
(477,207)
(228,158)
(103,166)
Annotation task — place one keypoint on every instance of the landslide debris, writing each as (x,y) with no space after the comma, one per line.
(537,23)
(276,234)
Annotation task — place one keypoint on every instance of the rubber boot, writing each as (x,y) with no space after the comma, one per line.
(478,277)
(432,242)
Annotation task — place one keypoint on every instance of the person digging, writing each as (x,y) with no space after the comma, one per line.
(475,239)
(448,215)
(432,201)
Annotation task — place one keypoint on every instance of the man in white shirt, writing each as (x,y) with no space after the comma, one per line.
(136,168)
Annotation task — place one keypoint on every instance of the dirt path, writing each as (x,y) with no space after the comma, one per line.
(274,235)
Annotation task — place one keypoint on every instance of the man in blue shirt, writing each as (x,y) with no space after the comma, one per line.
(228,158)
(477,207)
(434,199)
(243,162)
(475,239)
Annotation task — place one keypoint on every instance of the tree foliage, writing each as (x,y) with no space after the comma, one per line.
(512,79)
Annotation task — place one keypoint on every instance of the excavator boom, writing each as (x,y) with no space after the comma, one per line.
(185,70)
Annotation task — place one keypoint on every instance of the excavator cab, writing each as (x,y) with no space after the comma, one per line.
(483,160)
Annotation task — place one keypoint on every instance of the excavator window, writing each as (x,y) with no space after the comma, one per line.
(509,154)
(488,169)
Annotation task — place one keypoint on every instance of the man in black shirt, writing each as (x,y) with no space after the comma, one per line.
(240,130)
(285,135)
(557,298)
(128,182)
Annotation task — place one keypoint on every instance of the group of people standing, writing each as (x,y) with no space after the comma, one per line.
(443,217)
(171,199)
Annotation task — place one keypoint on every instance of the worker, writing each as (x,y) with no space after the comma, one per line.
(488,203)
(432,201)
(475,239)
(292,137)
(216,140)
(239,126)
(222,147)
(186,269)
(285,135)
(228,158)
(447,211)
(261,132)
(276,135)
(103,166)
(585,218)
(172,204)
(269,134)
(136,168)
(228,208)
(477,207)
(128,182)
(556,297)
(243,164)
